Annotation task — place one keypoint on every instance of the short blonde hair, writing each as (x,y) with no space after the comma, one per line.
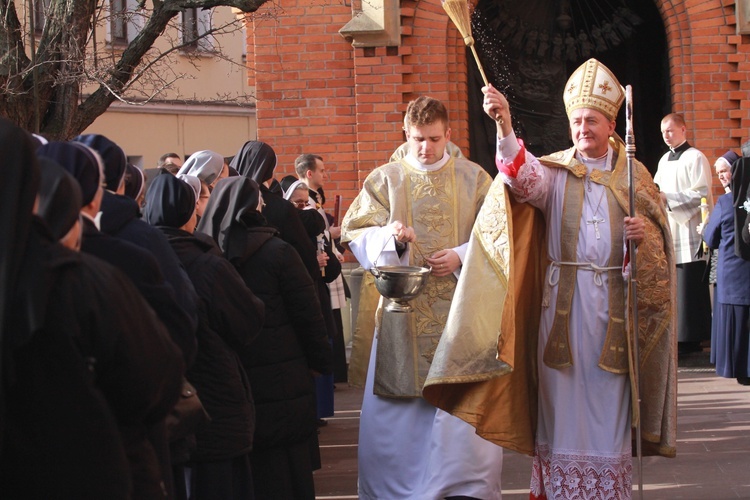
(675,118)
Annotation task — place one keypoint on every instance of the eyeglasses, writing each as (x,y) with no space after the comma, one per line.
(300,204)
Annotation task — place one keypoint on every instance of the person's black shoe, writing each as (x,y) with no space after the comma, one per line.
(322,423)
(743,380)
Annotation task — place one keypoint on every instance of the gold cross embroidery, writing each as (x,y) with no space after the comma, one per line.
(604,87)
(572,87)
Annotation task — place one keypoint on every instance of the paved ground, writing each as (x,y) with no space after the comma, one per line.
(713,450)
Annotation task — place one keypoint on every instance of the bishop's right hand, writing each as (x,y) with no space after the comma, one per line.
(496,106)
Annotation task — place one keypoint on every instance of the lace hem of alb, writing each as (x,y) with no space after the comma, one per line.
(581,477)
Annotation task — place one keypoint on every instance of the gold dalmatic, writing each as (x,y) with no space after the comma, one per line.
(435,205)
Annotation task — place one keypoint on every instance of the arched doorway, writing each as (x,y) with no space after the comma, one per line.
(529,49)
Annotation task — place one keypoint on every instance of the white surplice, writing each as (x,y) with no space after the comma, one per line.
(583,440)
(684,182)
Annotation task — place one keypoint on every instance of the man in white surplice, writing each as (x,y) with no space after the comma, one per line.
(583,437)
(418,210)
(684,177)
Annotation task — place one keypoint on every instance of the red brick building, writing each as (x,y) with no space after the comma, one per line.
(333,78)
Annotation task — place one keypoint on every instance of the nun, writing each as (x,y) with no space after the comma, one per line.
(60,201)
(143,270)
(230,317)
(297,192)
(202,193)
(730,326)
(206,165)
(138,264)
(113,157)
(257,161)
(86,365)
(292,346)
(121,218)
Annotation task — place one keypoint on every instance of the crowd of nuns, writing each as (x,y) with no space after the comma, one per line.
(115,309)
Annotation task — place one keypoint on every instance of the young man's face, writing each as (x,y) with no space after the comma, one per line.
(673,134)
(318,177)
(590,131)
(427,143)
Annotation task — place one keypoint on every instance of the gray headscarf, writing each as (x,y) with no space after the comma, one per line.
(205,165)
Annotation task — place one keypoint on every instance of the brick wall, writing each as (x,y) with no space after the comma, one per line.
(316,93)
(303,73)
(710,72)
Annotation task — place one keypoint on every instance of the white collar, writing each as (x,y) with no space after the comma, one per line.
(96,220)
(678,146)
(428,168)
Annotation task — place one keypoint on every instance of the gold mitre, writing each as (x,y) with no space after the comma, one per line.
(593,86)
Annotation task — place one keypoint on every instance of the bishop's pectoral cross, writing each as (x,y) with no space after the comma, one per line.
(596,221)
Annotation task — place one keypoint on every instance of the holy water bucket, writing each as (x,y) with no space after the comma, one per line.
(400,284)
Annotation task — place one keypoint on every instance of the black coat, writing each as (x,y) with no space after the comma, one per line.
(292,343)
(79,349)
(282,215)
(144,271)
(229,319)
(121,219)
(93,315)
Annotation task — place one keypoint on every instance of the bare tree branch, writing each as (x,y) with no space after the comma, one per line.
(69,57)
